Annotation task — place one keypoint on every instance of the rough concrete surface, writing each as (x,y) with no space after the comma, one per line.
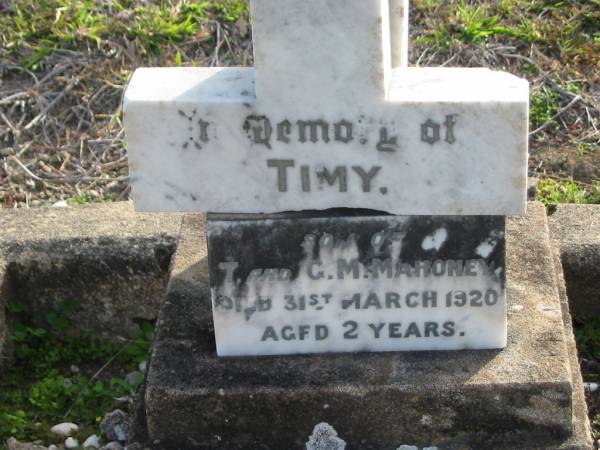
(575,230)
(518,398)
(112,261)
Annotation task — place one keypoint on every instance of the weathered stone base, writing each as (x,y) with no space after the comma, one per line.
(111,261)
(524,397)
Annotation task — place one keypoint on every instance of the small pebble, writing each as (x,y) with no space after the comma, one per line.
(71,443)
(64,429)
(74,369)
(115,426)
(114,445)
(591,387)
(430,448)
(142,366)
(61,204)
(407,447)
(92,441)
(13,444)
(52,447)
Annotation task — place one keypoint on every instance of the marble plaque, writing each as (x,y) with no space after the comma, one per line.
(292,284)
(328,118)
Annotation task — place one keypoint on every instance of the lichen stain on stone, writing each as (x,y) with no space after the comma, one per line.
(324,437)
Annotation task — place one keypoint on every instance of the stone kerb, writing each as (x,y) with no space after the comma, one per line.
(111,261)
(575,231)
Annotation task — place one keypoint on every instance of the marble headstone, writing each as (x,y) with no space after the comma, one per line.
(346,284)
(330,116)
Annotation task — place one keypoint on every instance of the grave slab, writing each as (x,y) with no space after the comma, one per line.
(322,283)
(327,119)
(517,398)
(575,230)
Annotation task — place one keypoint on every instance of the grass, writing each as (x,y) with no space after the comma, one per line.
(523,20)
(43,387)
(36,29)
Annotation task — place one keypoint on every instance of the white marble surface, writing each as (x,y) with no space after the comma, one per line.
(189,149)
(341,301)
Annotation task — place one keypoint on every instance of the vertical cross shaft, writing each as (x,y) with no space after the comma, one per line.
(349,47)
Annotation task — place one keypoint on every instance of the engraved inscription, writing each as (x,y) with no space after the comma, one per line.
(386,144)
(313,126)
(431,130)
(292,174)
(343,131)
(283,131)
(337,176)
(363,287)
(198,130)
(259,129)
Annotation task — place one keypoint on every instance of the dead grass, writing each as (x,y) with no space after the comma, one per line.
(64,65)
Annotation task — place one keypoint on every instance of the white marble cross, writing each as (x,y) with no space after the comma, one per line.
(330,116)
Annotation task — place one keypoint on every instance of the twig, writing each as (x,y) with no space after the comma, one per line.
(51,105)
(96,375)
(124,195)
(58,69)
(11,98)
(72,179)
(10,125)
(555,116)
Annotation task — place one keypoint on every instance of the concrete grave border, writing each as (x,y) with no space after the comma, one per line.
(184,402)
(112,261)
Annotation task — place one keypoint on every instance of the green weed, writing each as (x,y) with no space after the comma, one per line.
(586,148)
(81,199)
(543,106)
(476,24)
(40,389)
(551,192)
